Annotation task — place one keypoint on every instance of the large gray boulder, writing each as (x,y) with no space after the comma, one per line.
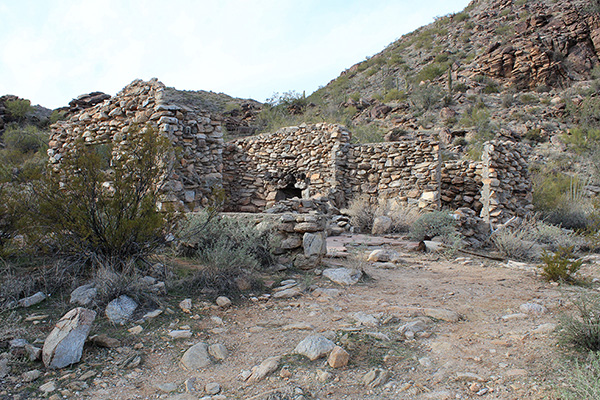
(343,276)
(120,310)
(196,357)
(314,346)
(314,244)
(64,345)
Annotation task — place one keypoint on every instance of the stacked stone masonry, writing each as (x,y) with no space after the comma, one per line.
(317,162)
(196,135)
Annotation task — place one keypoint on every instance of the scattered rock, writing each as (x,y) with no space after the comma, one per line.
(376,377)
(223,302)
(383,255)
(64,345)
(442,314)
(32,300)
(121,309)
(35,353)
(31,376)
(152,314)
(510,317)
(323,376)
(468,377)
(218,351)
(314,347)
(365,319)
(212,388)
(180,334)
(135,330)
(166,387)
(84,295)
(301,326)
(338,357)
(288,293)
(102,340)
(545,328)
(196,357)
(265,368)
(186,305)
(48,387)
(4,367)
(381,225)
(314,244)
(533,308)
(413,327)
(343,276)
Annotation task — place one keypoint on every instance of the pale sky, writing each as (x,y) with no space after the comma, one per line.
(51,51)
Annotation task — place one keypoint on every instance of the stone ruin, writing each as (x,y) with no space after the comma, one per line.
(307,164)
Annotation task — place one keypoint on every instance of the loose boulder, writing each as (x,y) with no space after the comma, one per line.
(64,345)
(196,357)
(121,309)
(314,347)
(84,295)
(343,276)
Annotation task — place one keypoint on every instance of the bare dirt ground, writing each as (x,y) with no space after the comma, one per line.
(493,352)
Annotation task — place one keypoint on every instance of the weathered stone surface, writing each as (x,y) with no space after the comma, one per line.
(442,314)
(314,346)
(343,276)
(104,340)
(218,351)
(381,225)
(186,305)
(314,244)
(84,295)
(338,357)
(265,368)
(64,345)
(223,302)
(121,309)
(288,293)
(196,357)
(32,300)
(383,255)
(533,308)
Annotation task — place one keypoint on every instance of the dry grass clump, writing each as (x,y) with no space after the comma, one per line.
(363,212)
(526,239)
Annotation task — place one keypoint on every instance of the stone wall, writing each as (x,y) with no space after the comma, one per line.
(507,189)
(316,162)
(195,134)
(461,185)
(405,173)
(301,160)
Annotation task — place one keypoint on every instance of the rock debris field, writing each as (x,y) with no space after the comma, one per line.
(377,321)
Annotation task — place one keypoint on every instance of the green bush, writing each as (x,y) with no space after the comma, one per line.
(432,71)
(18,109)
(560,266)
(582,331)
(394,94)
(430,225)
(25,140)
(224,243)
(102,210)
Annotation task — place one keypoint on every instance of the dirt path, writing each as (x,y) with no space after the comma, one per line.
(494,351)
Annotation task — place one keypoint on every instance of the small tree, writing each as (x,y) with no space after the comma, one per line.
(18,109)
(101,206)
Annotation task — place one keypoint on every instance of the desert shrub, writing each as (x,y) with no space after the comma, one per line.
(561,200)
(367,134)
(554,237)
(394,94)
(518,241)
(57,115)
(111,283)
(28,139)
(18,109)
(582,330)
(403,218)
(560,266)
(228,249)
(101,209)
(461,16)
(362,213)
(425,97)
(432,224)
(431,71)
(583,381)
(224,243)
